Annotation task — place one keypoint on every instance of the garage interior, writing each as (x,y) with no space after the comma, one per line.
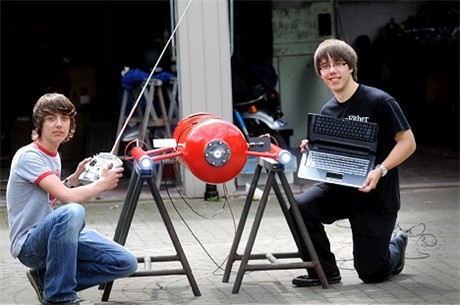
(80,49)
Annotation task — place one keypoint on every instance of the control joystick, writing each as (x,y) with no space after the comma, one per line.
(94,168)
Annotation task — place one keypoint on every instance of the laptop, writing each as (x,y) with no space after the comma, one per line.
(339,151)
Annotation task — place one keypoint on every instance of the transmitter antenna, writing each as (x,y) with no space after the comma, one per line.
(147,81)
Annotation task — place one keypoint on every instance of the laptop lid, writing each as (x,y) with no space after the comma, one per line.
(339,151)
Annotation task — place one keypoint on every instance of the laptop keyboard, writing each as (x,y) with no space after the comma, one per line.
(349,129)
(338,164)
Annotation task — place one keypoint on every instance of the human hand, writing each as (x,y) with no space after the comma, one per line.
(110,177)
(73,179)
(371,181)
(81,166)
(303,145)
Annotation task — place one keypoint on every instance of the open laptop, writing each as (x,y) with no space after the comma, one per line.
(339,151)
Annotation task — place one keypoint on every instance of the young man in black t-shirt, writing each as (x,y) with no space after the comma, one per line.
(373,209)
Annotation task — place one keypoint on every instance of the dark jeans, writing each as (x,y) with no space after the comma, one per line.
(371,225)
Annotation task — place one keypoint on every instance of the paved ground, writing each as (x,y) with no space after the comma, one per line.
(430,214)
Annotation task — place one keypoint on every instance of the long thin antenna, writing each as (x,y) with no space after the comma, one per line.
(148,80)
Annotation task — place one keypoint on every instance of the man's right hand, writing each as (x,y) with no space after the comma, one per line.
(110,177)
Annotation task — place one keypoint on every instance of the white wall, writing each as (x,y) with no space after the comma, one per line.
(203,70)
(295,37)
(301,91)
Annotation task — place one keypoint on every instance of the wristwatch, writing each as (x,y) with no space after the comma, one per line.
(383,169)
(68,183)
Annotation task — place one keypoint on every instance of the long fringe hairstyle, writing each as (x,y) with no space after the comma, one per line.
(52,103)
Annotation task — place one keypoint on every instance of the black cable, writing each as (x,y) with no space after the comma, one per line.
(418,230)
(226,203)
(424,239)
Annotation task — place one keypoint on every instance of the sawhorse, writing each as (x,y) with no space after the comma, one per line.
(272,167)
(124,224)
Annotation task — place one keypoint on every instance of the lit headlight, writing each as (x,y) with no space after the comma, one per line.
(284,157)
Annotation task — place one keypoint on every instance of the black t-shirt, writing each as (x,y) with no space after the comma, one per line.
(373,105)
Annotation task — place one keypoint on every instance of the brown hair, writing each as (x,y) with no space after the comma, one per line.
(52,103)
(337,50)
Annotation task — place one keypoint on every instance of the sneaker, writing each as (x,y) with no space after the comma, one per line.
(35,281)
(308,281)
(77,301)
(403,239)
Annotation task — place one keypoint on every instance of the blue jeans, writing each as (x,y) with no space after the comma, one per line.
(70,258)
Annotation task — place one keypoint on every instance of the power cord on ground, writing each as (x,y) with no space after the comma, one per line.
(226,203)
(424,240)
